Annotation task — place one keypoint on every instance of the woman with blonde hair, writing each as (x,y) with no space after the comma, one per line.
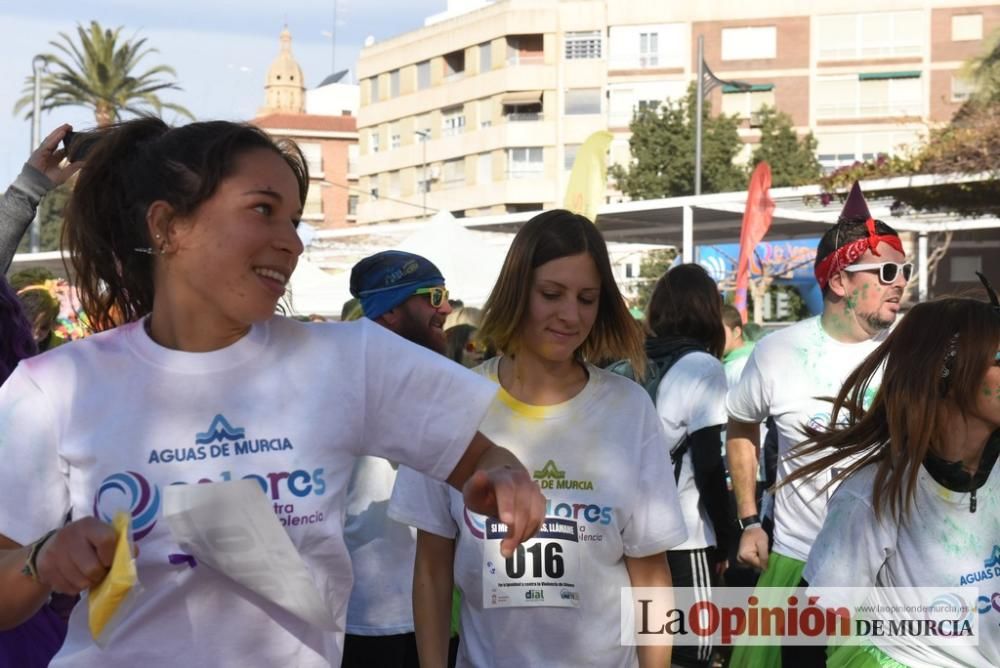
(593,442)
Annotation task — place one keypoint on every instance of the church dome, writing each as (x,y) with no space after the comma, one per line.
(284,90)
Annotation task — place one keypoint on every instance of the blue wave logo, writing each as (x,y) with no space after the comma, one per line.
(220,430)
(994,559)
(141,499)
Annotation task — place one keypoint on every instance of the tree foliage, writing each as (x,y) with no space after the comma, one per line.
(662,146)
(653,265)
(100,72)
(792,158)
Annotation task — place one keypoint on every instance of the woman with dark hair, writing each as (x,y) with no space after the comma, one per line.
(595,445)
(688,340)
(188,236)
(918,502)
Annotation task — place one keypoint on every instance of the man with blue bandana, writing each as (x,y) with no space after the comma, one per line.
(404,293)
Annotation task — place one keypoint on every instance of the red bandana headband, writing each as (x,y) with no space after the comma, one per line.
(850,253)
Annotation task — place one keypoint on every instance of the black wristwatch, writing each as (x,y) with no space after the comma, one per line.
(749,521)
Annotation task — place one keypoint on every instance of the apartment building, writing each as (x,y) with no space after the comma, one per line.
(481,111)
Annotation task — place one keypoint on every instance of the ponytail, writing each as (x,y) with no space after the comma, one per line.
(132,165)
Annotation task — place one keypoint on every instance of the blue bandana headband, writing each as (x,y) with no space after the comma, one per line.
(385,280)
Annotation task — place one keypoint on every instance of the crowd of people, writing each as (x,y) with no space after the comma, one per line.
(465,487)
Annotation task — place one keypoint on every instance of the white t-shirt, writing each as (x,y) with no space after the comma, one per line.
(942,545)
(690,397)
(786,373)
(606,444)
(382,553)
(117,418)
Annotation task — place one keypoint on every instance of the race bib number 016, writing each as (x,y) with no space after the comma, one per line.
(542,571)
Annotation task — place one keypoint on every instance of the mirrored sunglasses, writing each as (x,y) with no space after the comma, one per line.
(887,271)
(437,296)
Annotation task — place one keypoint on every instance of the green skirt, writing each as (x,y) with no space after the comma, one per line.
(781,572)
(860,656)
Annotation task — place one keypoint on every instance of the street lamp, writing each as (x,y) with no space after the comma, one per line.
(706,82)
(37,66)
(424,136)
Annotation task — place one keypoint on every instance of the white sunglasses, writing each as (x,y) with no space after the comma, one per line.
(887,271)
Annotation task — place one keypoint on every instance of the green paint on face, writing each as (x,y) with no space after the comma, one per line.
(851,301)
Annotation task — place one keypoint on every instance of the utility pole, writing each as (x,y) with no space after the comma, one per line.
(37,65)
(707,81)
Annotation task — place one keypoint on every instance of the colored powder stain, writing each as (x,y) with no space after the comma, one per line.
(958,540)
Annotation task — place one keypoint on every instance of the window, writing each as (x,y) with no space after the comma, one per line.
(844,148)
(453,173)
(583,45)
(395,139)
(869,95)
(373,141)
(313,153)
(519,112)
(353,152)
(866,36)
(569,156)
(352,205)
(423,183)
(394,184)
(394,83)
(373,83)
(485,113)
(583,101)
(744,103)
(652,45)
(961,88)
(524,163)
(313,207)
(423,74)
(649,49)
(749,43)
(484,168)
(966,27)
(452,121)
(485,57)
(454,64)
(525,50)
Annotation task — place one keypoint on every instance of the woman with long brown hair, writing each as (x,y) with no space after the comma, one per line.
(594,443)
(919,498)
(688,339)
(188,236)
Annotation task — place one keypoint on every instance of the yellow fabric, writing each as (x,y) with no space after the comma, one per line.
(106,597)
(588,180)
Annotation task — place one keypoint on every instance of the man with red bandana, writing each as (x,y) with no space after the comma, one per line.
(862,270)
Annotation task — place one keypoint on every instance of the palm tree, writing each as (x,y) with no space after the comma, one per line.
(100,73)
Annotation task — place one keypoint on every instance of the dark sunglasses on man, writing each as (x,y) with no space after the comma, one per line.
(887,271)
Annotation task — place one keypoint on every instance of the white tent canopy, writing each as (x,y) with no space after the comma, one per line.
(469,261)
(313,291)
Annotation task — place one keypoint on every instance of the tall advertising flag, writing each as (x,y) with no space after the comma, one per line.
(588,180)
(756,222)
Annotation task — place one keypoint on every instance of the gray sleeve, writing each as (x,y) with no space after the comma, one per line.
(17,209)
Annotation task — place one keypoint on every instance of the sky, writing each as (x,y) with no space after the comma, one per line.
(221,50)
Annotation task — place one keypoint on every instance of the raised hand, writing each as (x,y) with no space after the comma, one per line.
(509,494)
(48,157)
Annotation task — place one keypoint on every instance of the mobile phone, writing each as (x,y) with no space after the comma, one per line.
(78,144)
